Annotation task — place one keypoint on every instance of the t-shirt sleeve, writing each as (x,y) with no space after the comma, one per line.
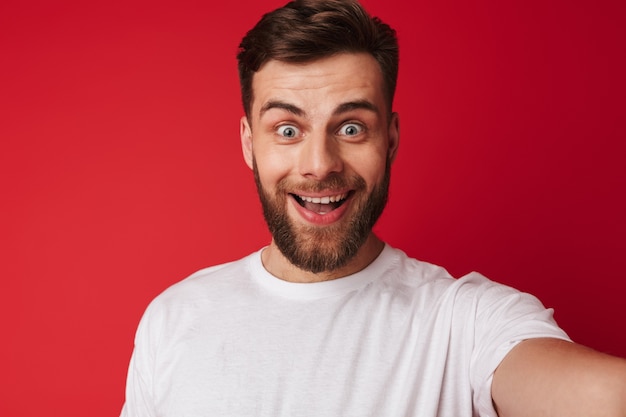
(139,383)
(503,318)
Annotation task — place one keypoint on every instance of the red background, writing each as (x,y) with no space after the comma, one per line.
(121,170)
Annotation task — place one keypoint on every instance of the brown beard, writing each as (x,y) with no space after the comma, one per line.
(323,249)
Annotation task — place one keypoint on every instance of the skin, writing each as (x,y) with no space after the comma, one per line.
(297,134)
(555,378)
(308,123)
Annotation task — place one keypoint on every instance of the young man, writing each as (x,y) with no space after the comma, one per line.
(328,320)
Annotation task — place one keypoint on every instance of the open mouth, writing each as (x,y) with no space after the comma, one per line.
(322,205)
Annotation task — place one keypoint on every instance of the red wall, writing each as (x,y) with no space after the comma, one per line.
(121,171)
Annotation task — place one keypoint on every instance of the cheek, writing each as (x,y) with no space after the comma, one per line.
(371,169)
(272,167)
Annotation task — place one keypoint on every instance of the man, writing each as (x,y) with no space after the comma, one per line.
(328,320)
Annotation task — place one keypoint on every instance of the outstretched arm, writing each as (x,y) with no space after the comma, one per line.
(550,377)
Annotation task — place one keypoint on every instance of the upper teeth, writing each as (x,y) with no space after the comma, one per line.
(324,200)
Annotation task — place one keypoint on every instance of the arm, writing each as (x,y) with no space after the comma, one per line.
(138,402)
(550,377)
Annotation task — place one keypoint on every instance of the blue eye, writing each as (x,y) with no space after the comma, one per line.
(351,129)
(288,131)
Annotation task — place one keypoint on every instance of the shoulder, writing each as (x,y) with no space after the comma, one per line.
(413,274)
(204,286)
(473,298)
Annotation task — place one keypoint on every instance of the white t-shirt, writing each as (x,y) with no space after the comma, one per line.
(400,338)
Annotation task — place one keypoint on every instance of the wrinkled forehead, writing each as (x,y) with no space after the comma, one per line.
(319,85)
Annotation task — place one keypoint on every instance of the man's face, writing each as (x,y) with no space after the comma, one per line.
(320,142)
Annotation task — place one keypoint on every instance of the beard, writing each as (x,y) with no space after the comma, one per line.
(327,248)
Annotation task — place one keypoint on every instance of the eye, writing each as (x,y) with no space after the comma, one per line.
(288,131)
(351,129)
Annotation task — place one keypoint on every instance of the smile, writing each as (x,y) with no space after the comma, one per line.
(321,205)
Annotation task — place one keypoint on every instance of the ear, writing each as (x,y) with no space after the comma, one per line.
(245,132)
(394,136)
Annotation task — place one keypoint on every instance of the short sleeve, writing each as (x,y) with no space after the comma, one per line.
(139,400)
(503,318)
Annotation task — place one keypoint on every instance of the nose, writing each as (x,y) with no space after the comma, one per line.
(320,157)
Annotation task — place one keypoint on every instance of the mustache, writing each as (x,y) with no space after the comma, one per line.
(332,182)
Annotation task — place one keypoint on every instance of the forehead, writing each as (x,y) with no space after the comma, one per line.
(319,84)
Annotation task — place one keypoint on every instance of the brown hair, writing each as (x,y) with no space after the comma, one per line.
(305,30)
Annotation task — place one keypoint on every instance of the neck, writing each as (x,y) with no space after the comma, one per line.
(279,266)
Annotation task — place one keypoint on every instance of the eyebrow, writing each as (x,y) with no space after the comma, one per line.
(355,105)
(277,104)
(297,111)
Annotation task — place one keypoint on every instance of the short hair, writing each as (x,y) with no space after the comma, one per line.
(306,30)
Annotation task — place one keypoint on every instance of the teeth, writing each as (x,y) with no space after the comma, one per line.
(323,200)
